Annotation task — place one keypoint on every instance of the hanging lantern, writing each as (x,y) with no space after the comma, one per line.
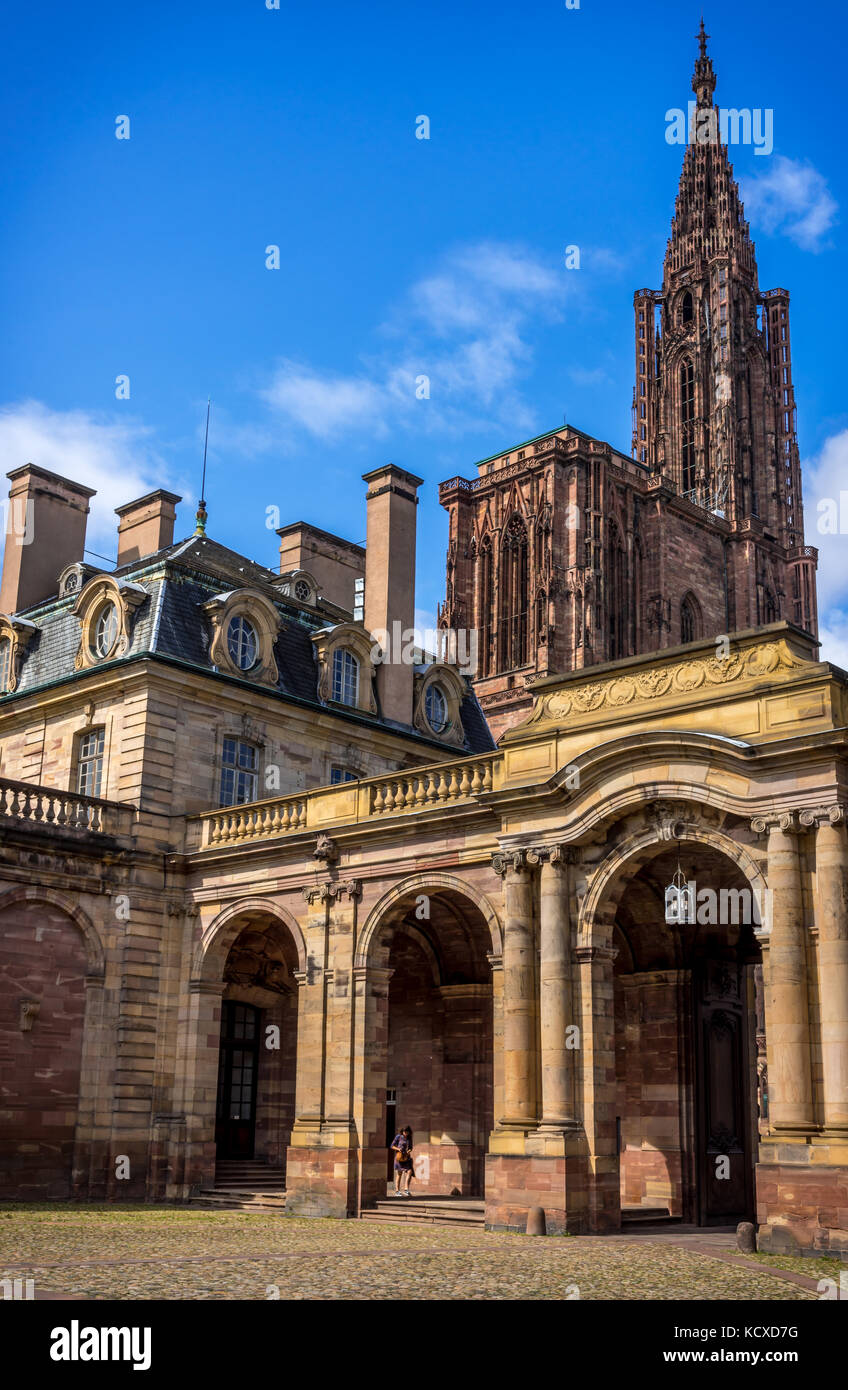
(679,900)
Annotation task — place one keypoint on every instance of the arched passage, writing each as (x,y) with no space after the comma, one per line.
(688,1032)
(49,950)
(245,1028)
(431,1032)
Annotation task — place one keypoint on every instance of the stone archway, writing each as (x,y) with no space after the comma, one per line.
(242,1025)
(683,1091)
(427,948)
(51,963)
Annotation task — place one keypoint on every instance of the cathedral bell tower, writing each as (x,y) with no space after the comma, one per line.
(714,405)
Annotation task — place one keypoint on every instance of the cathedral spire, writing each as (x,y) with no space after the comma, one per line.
(703,78)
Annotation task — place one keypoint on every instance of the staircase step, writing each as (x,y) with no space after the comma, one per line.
(631,1216)
(444,1211)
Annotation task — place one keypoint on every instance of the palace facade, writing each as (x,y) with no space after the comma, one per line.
(265,896)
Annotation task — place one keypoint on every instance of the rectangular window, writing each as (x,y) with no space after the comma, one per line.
(90,762)
(641,388)
(239,776)
(341,774)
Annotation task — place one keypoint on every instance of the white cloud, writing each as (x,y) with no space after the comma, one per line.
(463,327)
(833,634)
(825,478)
(117,457)
(791,198)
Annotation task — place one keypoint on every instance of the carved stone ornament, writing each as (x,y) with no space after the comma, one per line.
(18,633)
(260,613)
(330,891)
(676,678)
(29,1011)
(325,849)
(94,599)
(787,821)
(823,815)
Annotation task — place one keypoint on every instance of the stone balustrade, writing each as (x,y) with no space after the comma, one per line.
(418,789)
(48,806)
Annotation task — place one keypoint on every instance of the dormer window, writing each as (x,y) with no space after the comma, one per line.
(345,687)
(436,708)
(241,643)
(106,630)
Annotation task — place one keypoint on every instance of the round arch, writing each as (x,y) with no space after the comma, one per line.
(211,952)
(94,944)
(626,858)
(422,883)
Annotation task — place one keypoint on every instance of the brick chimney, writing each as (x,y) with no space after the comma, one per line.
(146,525)
(390,579)
(45,532)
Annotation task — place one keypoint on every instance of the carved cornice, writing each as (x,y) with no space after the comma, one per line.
(705,673)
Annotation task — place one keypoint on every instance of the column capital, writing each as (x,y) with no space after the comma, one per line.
(555,855)
(819,816)
(785,821)
(587,954)
(514,861)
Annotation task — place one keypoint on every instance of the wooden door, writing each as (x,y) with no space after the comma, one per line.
(237,1075)
(724,1160)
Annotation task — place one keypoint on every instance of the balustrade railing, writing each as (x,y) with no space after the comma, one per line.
(417,789)
(28,802)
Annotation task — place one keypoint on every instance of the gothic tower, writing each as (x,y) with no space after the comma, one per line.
(714,405)
(565,553)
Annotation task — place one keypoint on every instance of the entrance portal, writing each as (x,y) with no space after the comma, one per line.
(235,1117)
(687,1042)
(439,1045)
(257,1050)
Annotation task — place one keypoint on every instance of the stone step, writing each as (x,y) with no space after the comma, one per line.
(631,1216)
(445,1211)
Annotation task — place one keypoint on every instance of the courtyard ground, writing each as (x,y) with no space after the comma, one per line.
(138,1252)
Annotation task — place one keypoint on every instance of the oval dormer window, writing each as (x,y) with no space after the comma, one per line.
(106,630)
(436,708)
(241,643)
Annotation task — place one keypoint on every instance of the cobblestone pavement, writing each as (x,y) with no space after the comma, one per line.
(176,1253)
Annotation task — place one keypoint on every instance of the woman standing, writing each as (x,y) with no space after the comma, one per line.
(404,1171)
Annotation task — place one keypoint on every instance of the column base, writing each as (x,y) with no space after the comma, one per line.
(535,1169)
(802,1196)
(321,1175)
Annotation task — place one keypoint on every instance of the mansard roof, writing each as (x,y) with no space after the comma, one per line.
(170,625)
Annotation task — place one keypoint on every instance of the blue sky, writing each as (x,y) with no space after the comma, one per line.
(399,257)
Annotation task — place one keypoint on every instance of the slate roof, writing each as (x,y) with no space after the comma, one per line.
(170,624)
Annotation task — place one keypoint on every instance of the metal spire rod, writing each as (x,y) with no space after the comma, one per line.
(201,515)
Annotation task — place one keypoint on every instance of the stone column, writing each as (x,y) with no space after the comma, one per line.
(555,1004)
(832,923)
(340,998)
(519,993)
(787,999)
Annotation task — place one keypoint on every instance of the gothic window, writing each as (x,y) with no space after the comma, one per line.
(687,420)
(690,619)
(687,308)
(617,607)
(486,605)
(514,595)
(771,614)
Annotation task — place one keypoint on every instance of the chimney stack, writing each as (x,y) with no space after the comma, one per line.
(390,580)
(45,532)
(146,525)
